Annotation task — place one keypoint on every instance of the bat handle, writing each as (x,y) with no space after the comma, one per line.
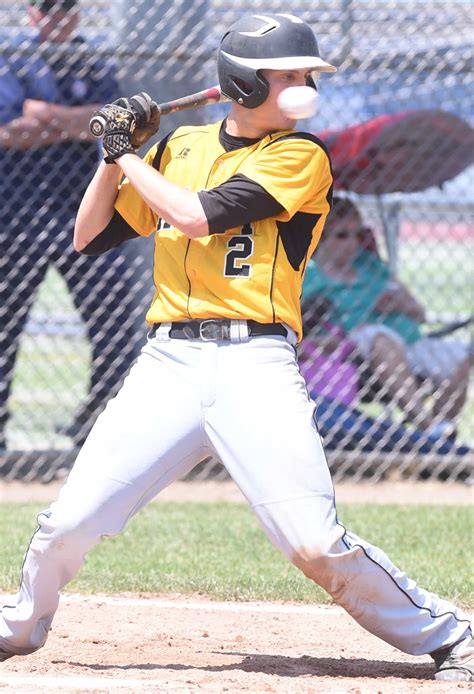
(97,125)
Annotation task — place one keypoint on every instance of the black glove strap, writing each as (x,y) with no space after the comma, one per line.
(117,143)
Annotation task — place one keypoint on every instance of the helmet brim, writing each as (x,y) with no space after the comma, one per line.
(286,63)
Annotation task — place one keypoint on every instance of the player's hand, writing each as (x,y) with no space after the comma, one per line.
(120,124)
(142,133)
(130,122)
(392,298)
(147,116)
(38,109)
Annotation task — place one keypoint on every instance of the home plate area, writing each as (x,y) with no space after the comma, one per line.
(176,644)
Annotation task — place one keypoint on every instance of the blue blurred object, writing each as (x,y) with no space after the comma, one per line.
(351,429)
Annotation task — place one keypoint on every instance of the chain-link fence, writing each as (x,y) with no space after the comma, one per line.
(397,120)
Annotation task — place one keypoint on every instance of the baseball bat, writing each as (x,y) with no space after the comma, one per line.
(211,95)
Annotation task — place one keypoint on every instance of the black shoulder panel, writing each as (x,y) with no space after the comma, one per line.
(161,148)
(296,236)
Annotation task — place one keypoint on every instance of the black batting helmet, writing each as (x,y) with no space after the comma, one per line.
(264,41)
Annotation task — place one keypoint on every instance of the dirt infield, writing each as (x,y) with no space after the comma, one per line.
(152,644)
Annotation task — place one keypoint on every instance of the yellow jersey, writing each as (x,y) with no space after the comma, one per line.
(250,272)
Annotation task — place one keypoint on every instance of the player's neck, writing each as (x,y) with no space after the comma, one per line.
(244,122)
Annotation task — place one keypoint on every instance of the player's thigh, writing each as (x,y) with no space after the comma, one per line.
(263,425)
(23,265)
(24,262)
(269,442)
(147,436)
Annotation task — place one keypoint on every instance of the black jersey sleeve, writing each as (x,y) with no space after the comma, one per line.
(236,202)
(115,233)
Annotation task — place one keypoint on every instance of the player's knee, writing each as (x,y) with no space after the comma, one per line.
(317,564)
(310,560)
(62,533)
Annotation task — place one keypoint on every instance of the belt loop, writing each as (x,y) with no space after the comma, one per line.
(234,332)
(290,335)
(163,332)
(239,331)
(244,331)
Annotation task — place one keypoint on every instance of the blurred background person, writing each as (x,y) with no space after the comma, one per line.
(383,321)
(49,86)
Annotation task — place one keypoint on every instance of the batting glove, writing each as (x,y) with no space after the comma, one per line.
(119,124)
(147,116)
(129,123)
(143,132)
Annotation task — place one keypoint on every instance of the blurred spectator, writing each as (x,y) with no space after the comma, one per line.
(325,355)
(330,365)
(383,320)
(49,86)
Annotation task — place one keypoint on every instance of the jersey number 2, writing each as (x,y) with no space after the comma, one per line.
(241,247)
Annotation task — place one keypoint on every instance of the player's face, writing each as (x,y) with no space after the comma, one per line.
(343,238)
(56,25)
(267,118)
(278,80)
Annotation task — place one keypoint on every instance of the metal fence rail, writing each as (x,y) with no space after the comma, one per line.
(71,325)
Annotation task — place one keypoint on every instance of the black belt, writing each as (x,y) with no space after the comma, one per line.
(219,329)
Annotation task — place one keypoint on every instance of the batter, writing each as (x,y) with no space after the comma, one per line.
(237,209)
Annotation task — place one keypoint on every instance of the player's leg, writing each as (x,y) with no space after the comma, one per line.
(148,435)
(23,264)
(114,338)
(267,439)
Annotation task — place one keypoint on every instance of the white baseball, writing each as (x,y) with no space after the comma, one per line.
(298,102)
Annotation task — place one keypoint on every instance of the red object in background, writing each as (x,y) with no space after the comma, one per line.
(405,152)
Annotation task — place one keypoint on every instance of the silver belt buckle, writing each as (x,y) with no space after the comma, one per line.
(212,330)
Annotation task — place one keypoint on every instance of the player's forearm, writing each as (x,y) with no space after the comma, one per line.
(176,205)
(26,133)
(43,124)
(97,205)
(409,305)
(415,310)
(73,121)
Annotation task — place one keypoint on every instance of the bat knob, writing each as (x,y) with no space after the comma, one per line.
(97,126)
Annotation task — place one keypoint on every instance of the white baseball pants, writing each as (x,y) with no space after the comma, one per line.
(246,404)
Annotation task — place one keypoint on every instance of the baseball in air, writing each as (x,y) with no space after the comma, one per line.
(298,102)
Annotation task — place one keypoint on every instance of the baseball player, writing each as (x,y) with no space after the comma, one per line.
(237,208)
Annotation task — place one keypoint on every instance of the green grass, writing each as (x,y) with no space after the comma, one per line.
(219,550)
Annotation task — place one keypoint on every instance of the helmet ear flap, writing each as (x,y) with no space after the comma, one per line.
(246,86)
(260,91)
